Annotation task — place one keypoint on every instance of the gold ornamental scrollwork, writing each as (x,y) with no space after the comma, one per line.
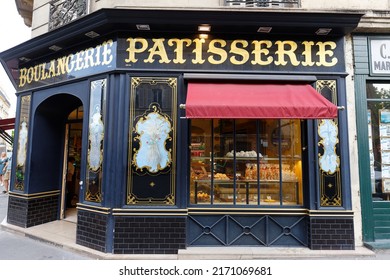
(153,131)
(329,161)
(22,146)
(96,128)
(152,141)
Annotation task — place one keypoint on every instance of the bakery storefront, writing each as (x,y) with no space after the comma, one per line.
(164,140)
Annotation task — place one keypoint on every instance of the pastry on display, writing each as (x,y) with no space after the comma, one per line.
(202,196)
(221,176)
(251,154)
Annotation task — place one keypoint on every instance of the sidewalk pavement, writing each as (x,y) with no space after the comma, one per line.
(62,233)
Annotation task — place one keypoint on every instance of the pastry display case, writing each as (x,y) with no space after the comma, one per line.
(267,172)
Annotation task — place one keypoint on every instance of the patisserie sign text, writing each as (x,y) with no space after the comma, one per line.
(236,52)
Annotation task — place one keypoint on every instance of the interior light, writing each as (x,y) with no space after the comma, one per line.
(204,28)
(203,36)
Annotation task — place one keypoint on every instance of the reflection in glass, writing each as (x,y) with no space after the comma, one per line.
(95,141)
(378,120)
(152,141)
(21,154)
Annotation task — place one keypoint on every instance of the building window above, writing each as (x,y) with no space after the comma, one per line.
(264,3)
(65,11)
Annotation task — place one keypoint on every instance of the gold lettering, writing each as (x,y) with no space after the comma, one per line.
(179,59)
(282,52)
(79,61)
(30,75)
(97,55)
(61,65)
(43,71)
(22,77)
(69,63)
(88,59)
(239,51)
(157,49)
(198,51)
(307,53)
(323,52)
(37,73)
(52,69)
(132,49)
(258,52)
(217,51)
(107,52)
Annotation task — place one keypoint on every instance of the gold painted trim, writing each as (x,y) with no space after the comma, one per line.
(331,85)
(330,215)
(135,82)
(247,213)
(250,209)
(336,200)
(148,210)
(93,206)
(149,214)
(98,88)
(34,195)
(94,211)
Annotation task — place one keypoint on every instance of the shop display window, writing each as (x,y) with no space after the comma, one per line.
(378,109)
(246,162)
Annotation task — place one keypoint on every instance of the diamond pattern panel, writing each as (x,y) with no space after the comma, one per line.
(237,230)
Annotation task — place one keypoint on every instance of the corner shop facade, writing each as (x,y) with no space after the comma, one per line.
(156,176)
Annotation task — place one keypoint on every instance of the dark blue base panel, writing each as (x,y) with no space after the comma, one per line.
(237,230)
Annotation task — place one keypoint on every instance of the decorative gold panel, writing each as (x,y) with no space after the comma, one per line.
(94,178)
(22,146)
(152,141)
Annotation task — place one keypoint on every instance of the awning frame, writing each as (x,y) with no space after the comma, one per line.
(218,100)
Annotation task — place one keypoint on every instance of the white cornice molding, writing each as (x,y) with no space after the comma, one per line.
(25,9)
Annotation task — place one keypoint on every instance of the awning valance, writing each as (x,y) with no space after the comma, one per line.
(256,101)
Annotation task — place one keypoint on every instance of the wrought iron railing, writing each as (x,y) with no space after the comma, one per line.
(264,3)
(64,11)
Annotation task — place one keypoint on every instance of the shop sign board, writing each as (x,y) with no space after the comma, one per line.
(186,54)
(380,56)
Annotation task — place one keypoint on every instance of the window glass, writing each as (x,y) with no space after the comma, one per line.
(378,109)
(152,141)
(22,144)
(97,111)
(246,162)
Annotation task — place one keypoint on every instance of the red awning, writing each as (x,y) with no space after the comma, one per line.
(6,124)
(256,101)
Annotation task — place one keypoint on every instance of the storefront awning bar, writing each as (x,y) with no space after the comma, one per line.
(250,77)
(6,137)
(256,101)
(7,124)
